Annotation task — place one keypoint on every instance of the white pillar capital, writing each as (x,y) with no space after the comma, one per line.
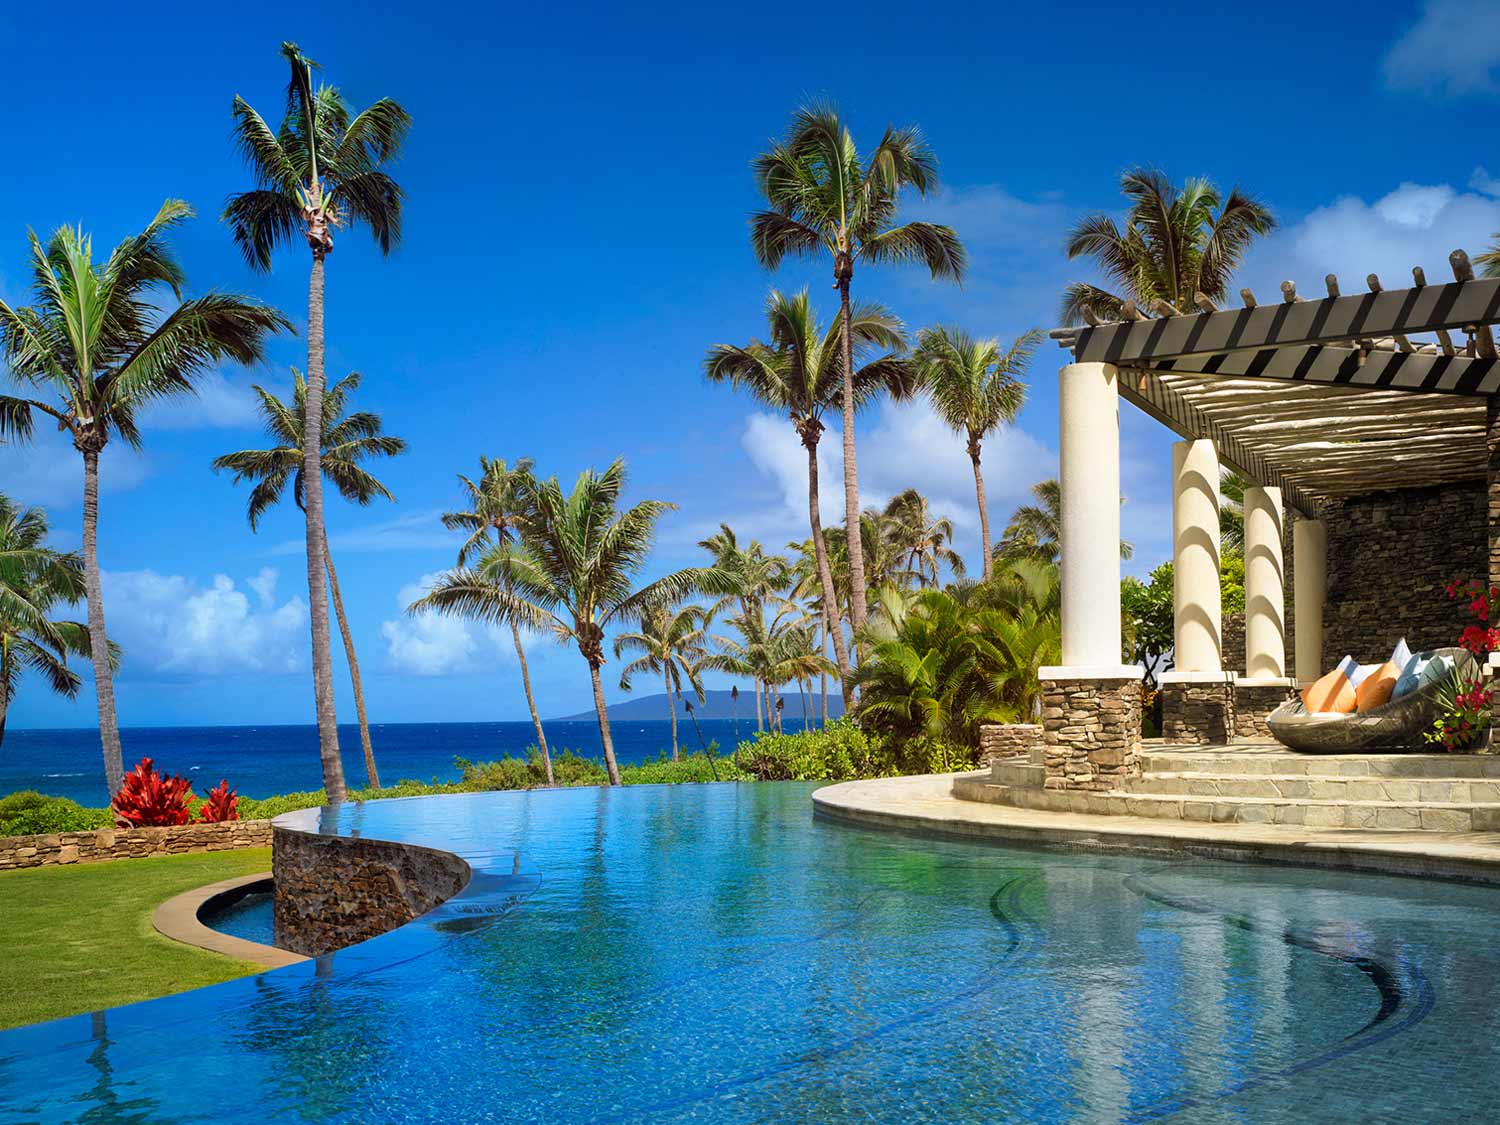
(1309,592)
(1197,616)
(1265,593)
(1089,478)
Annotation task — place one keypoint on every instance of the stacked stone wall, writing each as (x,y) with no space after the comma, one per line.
(130,843)
(1009,740)
(1199,714)
(1091,732)
(333,891)
(1253,704)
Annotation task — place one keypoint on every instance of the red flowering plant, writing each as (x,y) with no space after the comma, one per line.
(148,798)
(1465,705)
(221,804)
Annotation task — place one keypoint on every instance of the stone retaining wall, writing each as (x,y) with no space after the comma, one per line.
(1197,713)
(1092,732)
(1010,740)
(333,891)
(1253,704)
(130,843)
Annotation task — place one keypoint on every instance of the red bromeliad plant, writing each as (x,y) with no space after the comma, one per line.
(147,798)
(1466,704)
(222,804)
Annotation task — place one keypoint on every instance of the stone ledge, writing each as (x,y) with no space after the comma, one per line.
(130,843)
(177,918)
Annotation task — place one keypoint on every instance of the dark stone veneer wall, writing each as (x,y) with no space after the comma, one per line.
(333,891)
(1391,556)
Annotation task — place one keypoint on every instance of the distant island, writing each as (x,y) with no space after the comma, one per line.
(717,706)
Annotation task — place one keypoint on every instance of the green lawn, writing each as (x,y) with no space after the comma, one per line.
(79,938)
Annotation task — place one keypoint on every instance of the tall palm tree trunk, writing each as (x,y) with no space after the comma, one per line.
(317,587)
(825,571)
(602,711)
(371,772)
(671,710)
(536,719)
(4,704)
(984,510)
(759,726)
(104,684)
(823,652)
(851,470)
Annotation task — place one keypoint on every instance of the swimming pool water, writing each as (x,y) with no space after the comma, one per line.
(713,953)
(251,916)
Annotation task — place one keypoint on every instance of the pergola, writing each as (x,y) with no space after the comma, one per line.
(1311,400)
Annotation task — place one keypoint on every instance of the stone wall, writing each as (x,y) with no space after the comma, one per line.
(1253,704)
(1390,557)
(333,891)
(130,843)
(1092,732)
(1232,648)
(1010,740)
(1197,712)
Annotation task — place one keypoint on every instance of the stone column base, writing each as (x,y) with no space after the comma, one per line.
(1010,740)
(1091,727)
(1254,700)
(1197,708)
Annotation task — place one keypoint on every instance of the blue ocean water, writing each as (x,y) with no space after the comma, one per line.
(712,953)
(265,761)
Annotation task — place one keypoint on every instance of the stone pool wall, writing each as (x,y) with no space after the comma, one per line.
(333,891)
(130,843)
(1010,740)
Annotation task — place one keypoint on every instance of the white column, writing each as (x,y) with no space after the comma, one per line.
(1265,596)
(1309,592)
(1195,553)
(1089,474)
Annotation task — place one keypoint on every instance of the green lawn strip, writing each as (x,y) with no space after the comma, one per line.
(79,938)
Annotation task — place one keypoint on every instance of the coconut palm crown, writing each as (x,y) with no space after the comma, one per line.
(100,342)
(1176,243)
(823,197)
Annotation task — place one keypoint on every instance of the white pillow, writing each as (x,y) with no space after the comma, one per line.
(1401,655)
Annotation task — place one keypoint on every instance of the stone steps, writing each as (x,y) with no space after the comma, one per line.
(1285,763)
(1313,787)
(1430,816)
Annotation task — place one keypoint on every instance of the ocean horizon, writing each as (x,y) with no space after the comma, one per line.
(267,759)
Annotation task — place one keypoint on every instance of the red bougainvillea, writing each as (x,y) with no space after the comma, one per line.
(222,804)
(147,798)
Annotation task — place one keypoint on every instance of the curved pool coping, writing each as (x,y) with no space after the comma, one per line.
(177,918)
(925,805)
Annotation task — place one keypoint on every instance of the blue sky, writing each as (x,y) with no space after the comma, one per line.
(578,183)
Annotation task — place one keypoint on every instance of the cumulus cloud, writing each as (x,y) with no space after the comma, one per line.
(1412,225)
(1453,50)
(172,624)
(430,644)
(218,403)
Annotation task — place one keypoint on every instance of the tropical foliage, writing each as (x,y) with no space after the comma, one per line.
(1035,530)
(669,643)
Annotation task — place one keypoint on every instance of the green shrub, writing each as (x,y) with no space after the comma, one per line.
(29,813)
(842,751)
(689,768)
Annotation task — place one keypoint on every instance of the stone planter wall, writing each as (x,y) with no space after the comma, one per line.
(1253,703)
(1091,732)
(1197,713)
(333,891)
(130,843)
(1010,740)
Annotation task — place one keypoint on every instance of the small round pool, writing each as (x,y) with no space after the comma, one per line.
(714,953)
(247,912)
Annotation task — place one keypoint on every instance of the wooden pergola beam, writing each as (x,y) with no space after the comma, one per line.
(1335,366)
(1386,312)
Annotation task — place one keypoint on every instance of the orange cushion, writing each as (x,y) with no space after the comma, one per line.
(1332,694)
(1375,689)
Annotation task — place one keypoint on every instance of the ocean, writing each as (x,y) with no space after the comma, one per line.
(263,761)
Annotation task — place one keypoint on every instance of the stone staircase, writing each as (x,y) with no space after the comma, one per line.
(1266,784)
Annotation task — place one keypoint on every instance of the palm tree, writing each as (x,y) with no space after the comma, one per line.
(670,644)
(1035,530)
(572,572)
(823,198)
(924,539)
(1231,510)
(758,577)
(1175,245)
(35,578)
(800,371)
(975,386)
(496,513)
(99,347)
(347,440)
(322,170)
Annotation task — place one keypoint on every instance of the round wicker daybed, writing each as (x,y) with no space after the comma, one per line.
(1395,727)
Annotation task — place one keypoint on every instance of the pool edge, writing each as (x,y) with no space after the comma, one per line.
(177,919)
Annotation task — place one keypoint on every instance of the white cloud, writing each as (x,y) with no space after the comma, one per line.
(218,403)
(429,644)
(170,623)
(416,531)
(1413,225)
(1451,51)
(47,470)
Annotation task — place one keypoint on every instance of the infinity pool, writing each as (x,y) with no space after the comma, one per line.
(713,953)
